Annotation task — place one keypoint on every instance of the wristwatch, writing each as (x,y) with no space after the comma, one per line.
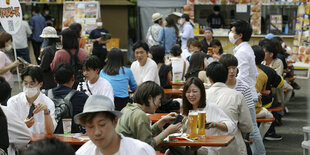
(47,113)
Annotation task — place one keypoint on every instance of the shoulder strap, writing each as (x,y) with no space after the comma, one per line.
(50,93)
(183,69)
(68,102)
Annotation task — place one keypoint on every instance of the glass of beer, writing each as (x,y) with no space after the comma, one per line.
(193,120)
(201,123)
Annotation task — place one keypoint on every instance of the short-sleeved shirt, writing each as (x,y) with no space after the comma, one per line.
(63,56)
(148,72)
(100,87)
(215,21)
(5,61)
(135,123)
(20,106)
(121,81)
(127,146)
(261,83)
(245,90)
(94,34)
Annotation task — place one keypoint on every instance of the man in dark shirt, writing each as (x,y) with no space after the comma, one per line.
(37,24)
(215,20)
(63,73)
(208,36)
(99,46)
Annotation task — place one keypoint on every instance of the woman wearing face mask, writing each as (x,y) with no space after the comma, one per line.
(186,30)
(6,64)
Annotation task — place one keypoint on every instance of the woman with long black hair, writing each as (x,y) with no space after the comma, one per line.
(120,77)
(168,35)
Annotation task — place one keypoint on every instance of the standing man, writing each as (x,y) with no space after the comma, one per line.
(21,42)
(208,36)
(144,68)
(100,120)
(240,34)
(99,46)
(153,31)
(186,30)
(37,24)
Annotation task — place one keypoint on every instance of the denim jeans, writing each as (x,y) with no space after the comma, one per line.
(24,53)
(257,146)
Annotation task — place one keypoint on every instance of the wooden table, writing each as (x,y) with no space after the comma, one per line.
(173,92)
(66,139)
(214,141)
(156,117)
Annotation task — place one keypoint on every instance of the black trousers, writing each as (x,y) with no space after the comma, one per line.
(36,49)
(120,103)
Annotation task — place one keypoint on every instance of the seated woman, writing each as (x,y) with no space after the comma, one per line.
(164,71)
(179,66)
(120,78)
(217,51)
(197,67)
(136,124)
(194,97)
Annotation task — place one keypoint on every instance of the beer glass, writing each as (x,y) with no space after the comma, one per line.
(193,120)
(201,123)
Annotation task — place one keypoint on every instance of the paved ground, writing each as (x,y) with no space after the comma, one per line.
(291,130)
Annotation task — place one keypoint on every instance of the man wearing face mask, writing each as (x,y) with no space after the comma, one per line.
(99,46)
(43,118)
(186,30)
(240,34)
(153,31)
(215,20)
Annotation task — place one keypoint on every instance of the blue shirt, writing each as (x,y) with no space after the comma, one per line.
(121,81)
(37,24)
(167,37)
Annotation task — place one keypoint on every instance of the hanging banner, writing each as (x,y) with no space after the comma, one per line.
(84,13)
(10,15)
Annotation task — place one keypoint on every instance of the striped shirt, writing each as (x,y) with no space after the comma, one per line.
(245,90)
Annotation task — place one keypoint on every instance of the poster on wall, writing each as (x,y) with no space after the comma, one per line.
(256,18)
(301,49)
(84,13)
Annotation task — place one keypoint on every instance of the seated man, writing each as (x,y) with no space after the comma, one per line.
(273,80)
(100,120)
(43,118)
(230,101)
(94,84)
(18,133)
(144,68)
(63,74)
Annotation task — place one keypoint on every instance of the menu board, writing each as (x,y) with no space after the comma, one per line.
(276,23)
(84,13)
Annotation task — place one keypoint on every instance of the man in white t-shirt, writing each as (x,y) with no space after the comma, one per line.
(94,84)
(42,118)
(144,68)
(100,120)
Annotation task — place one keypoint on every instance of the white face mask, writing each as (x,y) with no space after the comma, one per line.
(99,24)
(181,21)
(30,92)
(8,48)
(216,12)
(231,38)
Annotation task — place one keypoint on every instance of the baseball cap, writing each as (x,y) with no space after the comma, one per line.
(208,28)
(156,16)
(97,103)
(269,36)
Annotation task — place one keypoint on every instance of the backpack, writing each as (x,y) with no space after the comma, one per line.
(77,67)
(63,107)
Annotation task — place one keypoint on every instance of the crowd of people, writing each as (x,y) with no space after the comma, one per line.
(111,102)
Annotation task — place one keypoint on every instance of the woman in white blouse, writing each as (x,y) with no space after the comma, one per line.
(179,65)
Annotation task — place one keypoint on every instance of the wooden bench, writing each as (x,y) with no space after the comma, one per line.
(275,109)
(265,119)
